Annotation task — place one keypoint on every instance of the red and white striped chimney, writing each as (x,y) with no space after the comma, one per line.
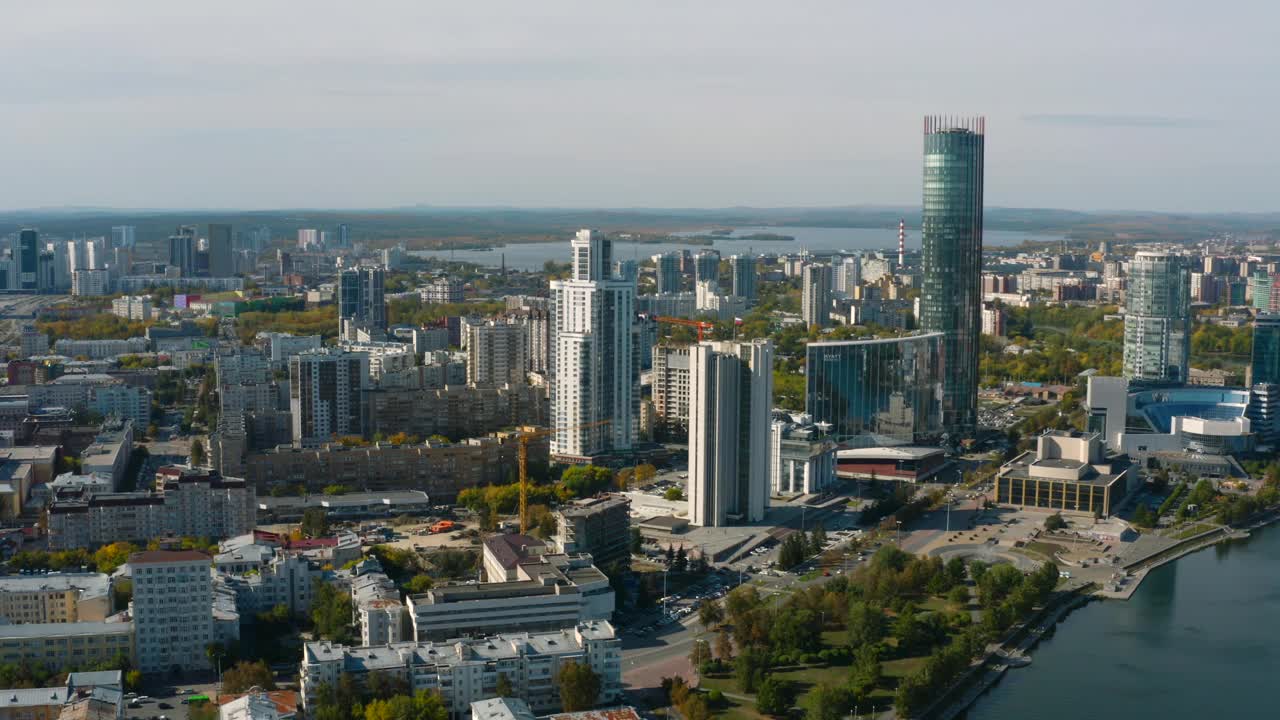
(902,242)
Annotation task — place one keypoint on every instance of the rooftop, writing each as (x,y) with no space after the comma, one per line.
(510,549)
(902,452)
(149,557)
(90,584)
(76,629)
(588,506)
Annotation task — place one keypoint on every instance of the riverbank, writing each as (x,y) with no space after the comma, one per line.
(1137,570)
(995,666)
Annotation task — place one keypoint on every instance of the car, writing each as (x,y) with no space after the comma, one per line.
(167,706)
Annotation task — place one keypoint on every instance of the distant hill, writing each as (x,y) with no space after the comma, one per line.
(436,226)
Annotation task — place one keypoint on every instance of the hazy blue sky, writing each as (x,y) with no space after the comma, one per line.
(1089,105)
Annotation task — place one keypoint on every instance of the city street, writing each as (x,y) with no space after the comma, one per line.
(163,700)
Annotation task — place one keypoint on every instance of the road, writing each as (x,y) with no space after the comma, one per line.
(162,694)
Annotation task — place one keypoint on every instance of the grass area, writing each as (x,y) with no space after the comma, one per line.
(1190,530)
(1043,548)
(808,677)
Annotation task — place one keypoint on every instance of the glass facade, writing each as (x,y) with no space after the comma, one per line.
(1266,350)
(951,258)
(1157,320)
(884,391)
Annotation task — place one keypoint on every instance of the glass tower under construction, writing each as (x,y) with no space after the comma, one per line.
(951,232)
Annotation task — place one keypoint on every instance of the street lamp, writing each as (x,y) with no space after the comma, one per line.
(899,534)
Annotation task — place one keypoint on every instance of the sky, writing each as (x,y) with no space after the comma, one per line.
(258,105)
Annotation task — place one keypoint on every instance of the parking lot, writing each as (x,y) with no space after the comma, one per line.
(161,700)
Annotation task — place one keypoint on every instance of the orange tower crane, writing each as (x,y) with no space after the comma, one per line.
(522,441)
(702,325)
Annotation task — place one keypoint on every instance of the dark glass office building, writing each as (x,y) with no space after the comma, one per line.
(951,296)
(1266,350)
(877,392)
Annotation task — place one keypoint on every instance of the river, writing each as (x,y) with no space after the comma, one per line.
(532,256)
(1199,639)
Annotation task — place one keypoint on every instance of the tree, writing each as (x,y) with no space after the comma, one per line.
(645,473)
(775,697)
(503,687)
(749,669)
(637,541)
(331,613)
(133,680)
(866,669)
(710,613)
(585,480)
(579,687)
(827,702)
(682,560)
(546,525)
(724,645)
(1144,517)
(244,675)
(865,624)
(1054,522)
(386,686)
(315,522)
(674,494)
(197,453)
(109,557)
(818,539)
(419,583)
(423,705)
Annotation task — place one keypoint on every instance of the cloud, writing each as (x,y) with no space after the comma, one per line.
(1108,121)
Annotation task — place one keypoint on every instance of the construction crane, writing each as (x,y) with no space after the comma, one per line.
(702,325)
(522,441)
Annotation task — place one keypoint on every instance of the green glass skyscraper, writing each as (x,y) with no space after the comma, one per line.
(951,232)
(1266,350)
(1157,320)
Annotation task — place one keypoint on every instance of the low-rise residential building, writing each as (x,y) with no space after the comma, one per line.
(553,591)
(172,609)
(465,671)
(439,469)
(377,604)
(598,526)
(456,411)
(65,645)
(55,598)
(100,347)
(132,307)
(84,696)
(263,576)
(351,506)
(188,503)
(509,708)
(443,290)
(108,456)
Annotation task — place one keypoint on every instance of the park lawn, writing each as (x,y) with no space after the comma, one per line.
(1043,548)
(1191,530)
(938,604)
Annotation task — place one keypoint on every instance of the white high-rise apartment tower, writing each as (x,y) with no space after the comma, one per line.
(730,406)
(815,300)
(592,386)
(172,610)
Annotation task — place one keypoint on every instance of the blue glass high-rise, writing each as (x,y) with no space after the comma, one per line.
(951,258)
